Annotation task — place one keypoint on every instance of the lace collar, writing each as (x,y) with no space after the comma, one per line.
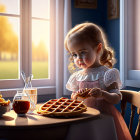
(90,74)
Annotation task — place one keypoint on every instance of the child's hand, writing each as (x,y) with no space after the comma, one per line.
(95,92)
(74,95)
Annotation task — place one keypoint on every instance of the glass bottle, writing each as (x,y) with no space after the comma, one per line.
(21,103)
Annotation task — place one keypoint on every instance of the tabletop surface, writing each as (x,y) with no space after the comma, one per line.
(11,120)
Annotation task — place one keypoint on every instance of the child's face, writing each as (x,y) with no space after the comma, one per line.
(84,56)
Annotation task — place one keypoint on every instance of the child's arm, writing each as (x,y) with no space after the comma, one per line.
(109,96)
(113,84)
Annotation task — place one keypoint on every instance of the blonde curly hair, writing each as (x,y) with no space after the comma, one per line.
(93,35)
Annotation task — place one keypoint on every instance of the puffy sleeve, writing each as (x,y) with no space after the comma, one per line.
(111,76)
(72,83)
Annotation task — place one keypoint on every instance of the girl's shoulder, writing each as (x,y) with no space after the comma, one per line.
(75,74)
(112,75)
(112,72)
(72,83)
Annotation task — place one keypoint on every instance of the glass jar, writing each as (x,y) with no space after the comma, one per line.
(21,103)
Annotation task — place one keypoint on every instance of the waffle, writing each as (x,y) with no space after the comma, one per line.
(63,107)
(83,93)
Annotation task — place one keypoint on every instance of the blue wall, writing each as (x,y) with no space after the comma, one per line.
(80,15)
(99,16)
(112,30)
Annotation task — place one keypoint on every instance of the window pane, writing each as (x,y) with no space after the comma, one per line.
(41,8)
(9,38)
(40,48)
(10,6)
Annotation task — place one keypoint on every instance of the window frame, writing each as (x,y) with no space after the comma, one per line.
(128,76)
(46,86)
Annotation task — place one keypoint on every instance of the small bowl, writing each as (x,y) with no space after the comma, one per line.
(4,109)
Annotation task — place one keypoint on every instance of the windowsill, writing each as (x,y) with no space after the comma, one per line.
(134,74)
(133,79)
(40,91)
(132,83)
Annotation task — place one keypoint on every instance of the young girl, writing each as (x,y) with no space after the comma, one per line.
(87,45)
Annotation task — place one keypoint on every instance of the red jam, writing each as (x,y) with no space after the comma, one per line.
(21,106)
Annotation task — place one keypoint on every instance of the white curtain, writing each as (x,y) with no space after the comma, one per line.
(63,25)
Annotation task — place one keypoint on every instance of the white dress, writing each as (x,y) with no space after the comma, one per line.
(100,77)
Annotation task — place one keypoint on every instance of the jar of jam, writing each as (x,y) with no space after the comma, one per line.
(21,103)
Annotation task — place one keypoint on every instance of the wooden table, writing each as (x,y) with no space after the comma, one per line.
(35,126)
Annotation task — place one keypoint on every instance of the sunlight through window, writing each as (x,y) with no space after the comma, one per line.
(40,39)
(9,39)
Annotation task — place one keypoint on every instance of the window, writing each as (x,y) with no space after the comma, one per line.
(129,43)
(27,43)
